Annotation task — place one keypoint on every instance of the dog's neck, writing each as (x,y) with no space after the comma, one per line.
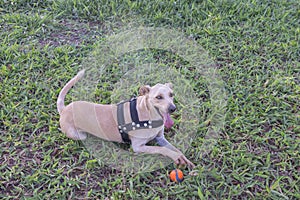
(145,110)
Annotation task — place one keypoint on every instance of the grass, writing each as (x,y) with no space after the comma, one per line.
(256,47)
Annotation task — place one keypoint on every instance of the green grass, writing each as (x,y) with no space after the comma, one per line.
(256,47)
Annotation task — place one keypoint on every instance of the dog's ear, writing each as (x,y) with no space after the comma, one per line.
(144,90)
(170,85)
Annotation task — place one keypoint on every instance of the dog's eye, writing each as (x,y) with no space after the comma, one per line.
(171,94)
(159,97)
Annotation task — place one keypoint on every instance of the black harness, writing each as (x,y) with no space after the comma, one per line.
(136,124)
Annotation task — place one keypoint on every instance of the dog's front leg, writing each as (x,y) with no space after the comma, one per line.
(161,141)
(159,150)
(174,154)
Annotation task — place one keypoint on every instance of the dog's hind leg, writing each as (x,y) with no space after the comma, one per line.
(75,134)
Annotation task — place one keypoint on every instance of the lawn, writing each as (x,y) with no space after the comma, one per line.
(255,46)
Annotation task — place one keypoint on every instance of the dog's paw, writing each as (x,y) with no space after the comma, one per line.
(182,160)
(77,135)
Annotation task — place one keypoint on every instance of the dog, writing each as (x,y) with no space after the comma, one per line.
(136,121)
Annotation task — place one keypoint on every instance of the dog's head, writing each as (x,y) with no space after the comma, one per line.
(160,96)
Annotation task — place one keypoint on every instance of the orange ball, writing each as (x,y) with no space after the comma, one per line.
(176,175)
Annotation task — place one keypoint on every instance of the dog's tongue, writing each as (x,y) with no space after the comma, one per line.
(168,122)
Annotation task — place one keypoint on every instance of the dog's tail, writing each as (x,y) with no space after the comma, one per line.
(66,88)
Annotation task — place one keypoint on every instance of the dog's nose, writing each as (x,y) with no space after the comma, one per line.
(172,108)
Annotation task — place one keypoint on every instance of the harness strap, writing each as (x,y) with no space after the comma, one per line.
(121,121)
(136,124)
(133,111)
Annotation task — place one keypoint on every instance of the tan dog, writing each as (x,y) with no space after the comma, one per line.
(138,121)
